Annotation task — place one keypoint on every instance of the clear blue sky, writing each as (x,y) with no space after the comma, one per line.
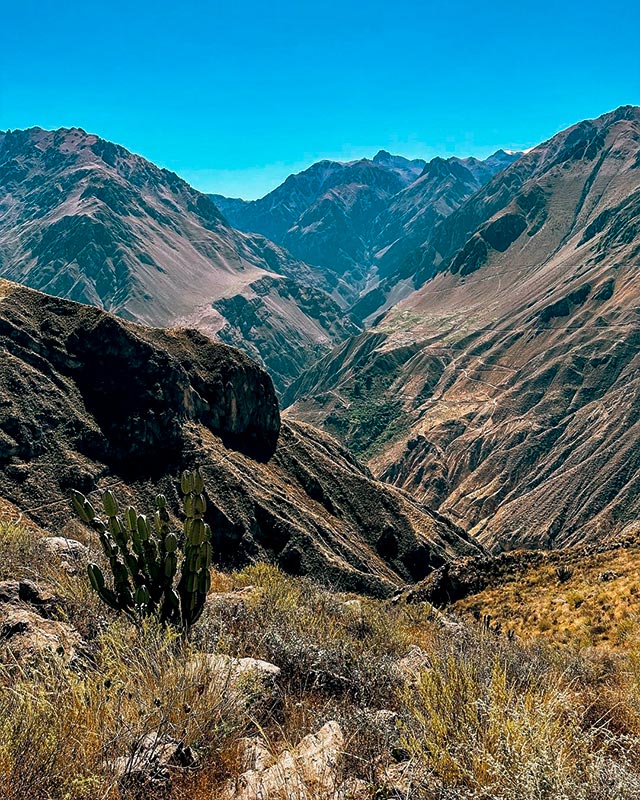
(234,96)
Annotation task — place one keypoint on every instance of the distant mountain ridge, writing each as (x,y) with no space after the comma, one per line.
(357,220)
(279,209)
(84,219)
(497,379)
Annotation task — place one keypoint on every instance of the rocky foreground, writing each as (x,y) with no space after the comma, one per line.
(286,690)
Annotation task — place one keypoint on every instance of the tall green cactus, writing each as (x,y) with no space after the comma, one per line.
(154,572)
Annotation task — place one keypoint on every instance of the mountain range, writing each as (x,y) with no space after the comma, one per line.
(357,220)
(84,219)
(506,390)
(468,328)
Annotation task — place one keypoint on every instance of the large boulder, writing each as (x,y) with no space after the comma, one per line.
(309,770)
(236,668)
(69,553)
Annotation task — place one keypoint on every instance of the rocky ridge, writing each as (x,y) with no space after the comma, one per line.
(358,220)
(90,401)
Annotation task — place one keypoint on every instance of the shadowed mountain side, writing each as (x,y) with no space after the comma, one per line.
(89,401)
(324,216)
(411,216)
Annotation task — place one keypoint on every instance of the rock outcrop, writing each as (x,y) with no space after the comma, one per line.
(32,625)
(89,401)
(309,770)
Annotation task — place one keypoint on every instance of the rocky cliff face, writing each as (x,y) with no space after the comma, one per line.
(505,391)
(82,218)
(90,401)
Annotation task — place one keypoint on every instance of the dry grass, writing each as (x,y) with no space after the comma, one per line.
(22,556)
(63,733)
(481,716)
(599,604)
(482,725)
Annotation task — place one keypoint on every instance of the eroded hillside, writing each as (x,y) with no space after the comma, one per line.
(506,390)
(358,221)
(89,401)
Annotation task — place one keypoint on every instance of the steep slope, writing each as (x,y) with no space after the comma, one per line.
(90,401)
(334,232)
(506,391)
(85,219)
(358,220)
(324,214)
(410,220)
(582,595)
(276,212)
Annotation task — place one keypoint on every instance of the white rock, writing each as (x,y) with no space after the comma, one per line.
(254,754)
(69,552)
(308,771)
(413,663)
(352,607)
(235,667)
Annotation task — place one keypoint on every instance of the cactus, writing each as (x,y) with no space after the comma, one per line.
(154,572)
(564,573)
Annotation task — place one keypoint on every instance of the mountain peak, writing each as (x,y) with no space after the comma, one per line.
(505,152)
(629,112)
(438,166)
(387,158)
(85,219)
(382,156)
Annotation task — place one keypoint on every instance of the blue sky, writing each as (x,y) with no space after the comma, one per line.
(235,96)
